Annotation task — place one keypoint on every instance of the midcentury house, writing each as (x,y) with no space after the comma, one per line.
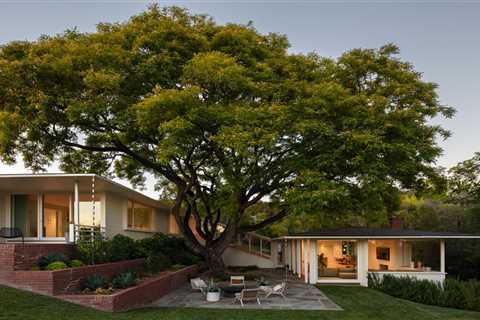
(52,210)
(55,208)
(349,255)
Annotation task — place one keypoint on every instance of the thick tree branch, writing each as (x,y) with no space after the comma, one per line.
(280,215)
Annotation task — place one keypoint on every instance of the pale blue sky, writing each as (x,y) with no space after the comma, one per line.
(441,38)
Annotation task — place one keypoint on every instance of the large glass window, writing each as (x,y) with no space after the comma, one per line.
(87,212)
(140,217)
(337,259)
(25,213)
(56,210)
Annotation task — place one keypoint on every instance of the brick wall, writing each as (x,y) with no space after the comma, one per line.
(138,296)
(15,256)
(67,280)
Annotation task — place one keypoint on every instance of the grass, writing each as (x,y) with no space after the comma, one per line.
(359,303)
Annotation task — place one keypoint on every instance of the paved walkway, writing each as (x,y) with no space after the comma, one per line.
(300,296)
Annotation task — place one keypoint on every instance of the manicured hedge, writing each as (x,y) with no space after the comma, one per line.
(452,293)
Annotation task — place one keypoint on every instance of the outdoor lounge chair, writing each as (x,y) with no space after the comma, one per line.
(279,290)
(237,281)
(198,285)
(248,295)
(11,233)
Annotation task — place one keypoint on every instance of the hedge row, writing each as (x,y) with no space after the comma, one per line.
(452,293)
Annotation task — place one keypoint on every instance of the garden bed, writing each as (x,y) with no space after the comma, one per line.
(65,280)
(149,290)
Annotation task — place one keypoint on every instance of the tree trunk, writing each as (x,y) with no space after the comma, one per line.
(214,261)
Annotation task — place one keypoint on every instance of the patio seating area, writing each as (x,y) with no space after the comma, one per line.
(298,295)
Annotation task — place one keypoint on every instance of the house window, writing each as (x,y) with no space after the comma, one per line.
(140,217)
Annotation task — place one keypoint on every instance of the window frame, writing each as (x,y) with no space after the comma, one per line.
(131,226)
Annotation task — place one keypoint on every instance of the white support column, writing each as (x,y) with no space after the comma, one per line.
(286,253)
(313,262)
(442,256)
(76,212)
(298,258)
(291,245)
(306,262)
(362,262)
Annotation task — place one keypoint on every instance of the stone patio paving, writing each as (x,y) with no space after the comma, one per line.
(300,296)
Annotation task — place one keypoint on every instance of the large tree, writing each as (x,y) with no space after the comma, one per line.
(223,117)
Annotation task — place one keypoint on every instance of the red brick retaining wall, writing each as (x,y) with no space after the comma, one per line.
(66,280)
(138,296)
(15,256)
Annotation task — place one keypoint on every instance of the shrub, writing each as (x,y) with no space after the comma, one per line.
(103,291)
(177,266)
(75,263)
(157,262)
(57,265)
(173,247)
(94,282)
(97,251)
(124,280)
(44,261)
(452,293)
(122,248)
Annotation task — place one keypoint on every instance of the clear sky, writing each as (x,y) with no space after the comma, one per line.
(441,39)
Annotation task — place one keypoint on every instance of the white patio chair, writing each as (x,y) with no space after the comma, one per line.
(248,295)
(279,290)
(199,285)
(237,281)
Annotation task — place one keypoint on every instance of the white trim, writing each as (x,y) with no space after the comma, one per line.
(73,175)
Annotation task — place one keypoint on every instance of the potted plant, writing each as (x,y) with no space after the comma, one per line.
(213,292)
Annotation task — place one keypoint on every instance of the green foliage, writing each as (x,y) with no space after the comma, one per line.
(122,248)
(173,247)
(94,252)
(44,261)
(452,293)
(224,116)
(124,280)
(94,282)
(157,262)
(177,266)
(56,265)
(75,263)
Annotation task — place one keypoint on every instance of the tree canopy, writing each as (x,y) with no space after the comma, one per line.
(223,117)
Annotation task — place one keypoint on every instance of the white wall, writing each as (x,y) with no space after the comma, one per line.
(238,258)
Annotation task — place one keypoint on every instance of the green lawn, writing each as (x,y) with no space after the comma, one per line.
(359,303)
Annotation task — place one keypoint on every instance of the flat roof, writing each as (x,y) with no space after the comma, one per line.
(378,233)
(57,182)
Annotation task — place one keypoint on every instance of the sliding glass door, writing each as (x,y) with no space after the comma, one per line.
(56,211)
(25,213)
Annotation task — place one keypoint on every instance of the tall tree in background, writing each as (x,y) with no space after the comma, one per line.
(222,116)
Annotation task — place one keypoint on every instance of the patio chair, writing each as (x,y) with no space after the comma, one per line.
(248,295)
(237,281)
(198,285)
(279,290)
(11,233)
